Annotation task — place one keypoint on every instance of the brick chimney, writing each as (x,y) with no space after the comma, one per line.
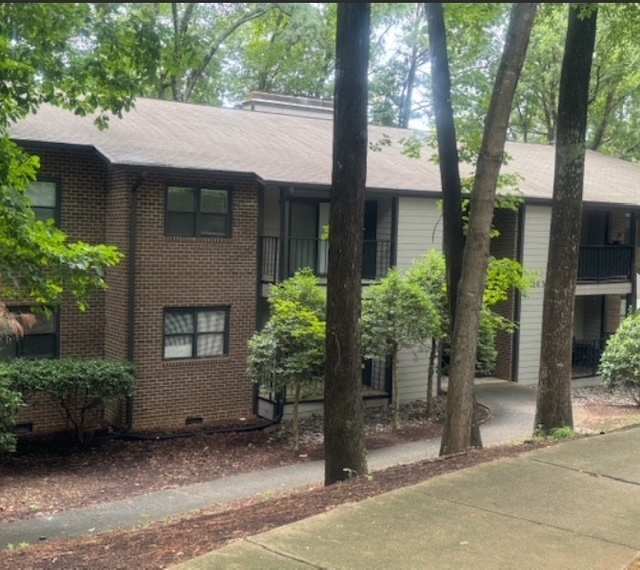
(288,105)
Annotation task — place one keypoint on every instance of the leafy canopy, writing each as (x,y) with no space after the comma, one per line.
(503,276)
(396,313)
(620,362)
(290,348)
(71,56)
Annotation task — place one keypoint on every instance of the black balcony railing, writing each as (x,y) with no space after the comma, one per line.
(314,253)
(376,382)
(606,263)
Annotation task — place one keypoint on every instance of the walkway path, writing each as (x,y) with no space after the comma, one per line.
(573,506)
(512,408)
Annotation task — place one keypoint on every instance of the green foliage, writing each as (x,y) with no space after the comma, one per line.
(620,362)
(429,273)
(503,276)
(290,351)
(10,401)
(36,260)
(288,50)
(556,434)
(396,313)
(290,348)
(303,289)
(614,102)
(72,56)
(487,352)
(79,386)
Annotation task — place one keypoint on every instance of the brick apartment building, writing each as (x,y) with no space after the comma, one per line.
(211,206)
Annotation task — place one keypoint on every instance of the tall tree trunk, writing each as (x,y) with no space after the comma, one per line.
(343,407)
(453,238)
(296,417)
(430,372)
(396,391)
(601,129)
(553,409)
(407,99)
(459,418)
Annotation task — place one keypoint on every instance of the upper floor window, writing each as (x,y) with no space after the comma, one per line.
(199,212)
(40,340)
(43,196)
(196,333)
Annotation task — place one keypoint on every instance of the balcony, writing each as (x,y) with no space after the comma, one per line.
(314,253)
(603,263)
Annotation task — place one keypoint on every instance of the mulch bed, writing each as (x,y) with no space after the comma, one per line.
(159,545)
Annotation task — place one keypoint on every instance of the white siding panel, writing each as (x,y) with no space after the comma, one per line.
(419,230)
(537,224)
(412,373)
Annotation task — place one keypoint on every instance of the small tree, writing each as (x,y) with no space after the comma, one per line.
(503,276)
(620,362)
(429,273)
(396,314)
(290,349)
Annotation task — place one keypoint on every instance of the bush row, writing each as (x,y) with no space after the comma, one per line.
(81,388)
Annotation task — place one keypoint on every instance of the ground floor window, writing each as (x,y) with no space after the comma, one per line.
(196,333)
(40,340)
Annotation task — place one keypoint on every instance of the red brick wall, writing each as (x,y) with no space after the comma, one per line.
(82,208)
(193,272)
(171,272)
(83,189)
(505,245)
(120,184)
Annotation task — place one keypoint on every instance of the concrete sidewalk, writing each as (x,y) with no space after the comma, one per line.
(571,506)
(512,414)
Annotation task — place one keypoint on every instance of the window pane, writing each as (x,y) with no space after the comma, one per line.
(211,321)
(178,323)
(181,199)
(8,348)
(213,225)
(179,224)
(43,325)
(178,346)
(42,194)
(213,201)
(44,214)
(39,346)
(210,344)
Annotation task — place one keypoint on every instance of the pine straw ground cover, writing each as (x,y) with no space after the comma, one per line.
(37,484)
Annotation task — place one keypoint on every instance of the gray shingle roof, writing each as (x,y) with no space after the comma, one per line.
(290,149)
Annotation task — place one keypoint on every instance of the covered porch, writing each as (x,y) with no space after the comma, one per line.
(295,230)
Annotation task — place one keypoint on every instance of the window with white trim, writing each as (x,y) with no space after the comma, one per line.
(196,333)
(198,212)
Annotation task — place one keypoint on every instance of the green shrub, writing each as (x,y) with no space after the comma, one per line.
(81,387)
(10,401)
(620,362)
